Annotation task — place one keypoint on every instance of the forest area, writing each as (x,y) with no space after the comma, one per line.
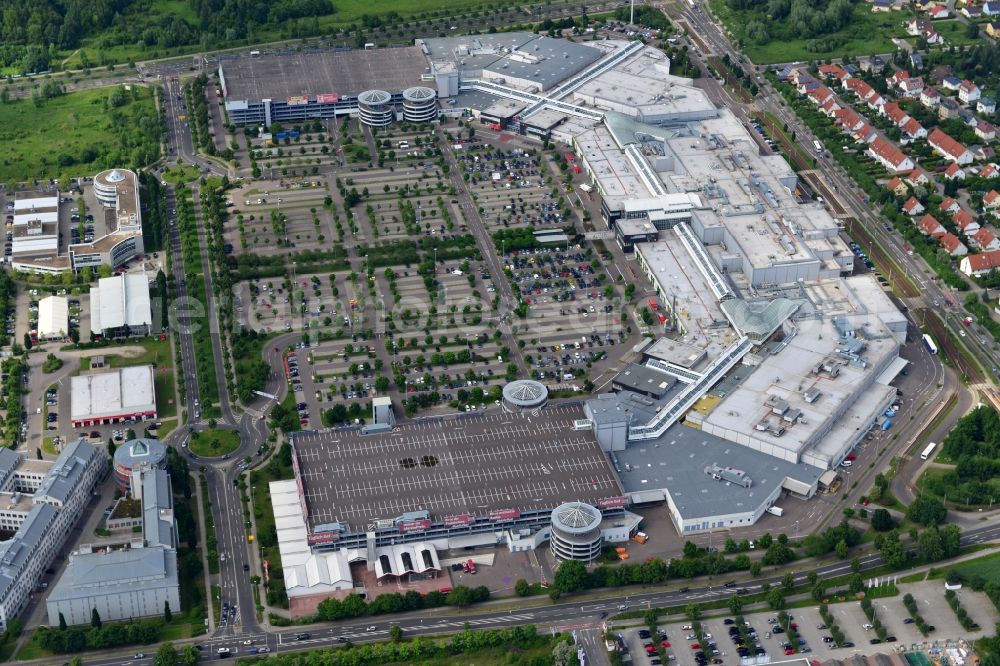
(34,32)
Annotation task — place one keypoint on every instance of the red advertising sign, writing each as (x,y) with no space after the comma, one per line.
(460,519)
(407,526)
(298,100)
(329,98)
(505,514)
(611,503)
(315,538)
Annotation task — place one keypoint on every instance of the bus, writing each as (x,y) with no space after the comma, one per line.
(926,453)
(819,146)
(929,343)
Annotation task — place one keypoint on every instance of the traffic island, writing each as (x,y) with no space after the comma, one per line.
(214,443)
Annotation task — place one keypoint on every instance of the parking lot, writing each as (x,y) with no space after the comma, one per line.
(815,640)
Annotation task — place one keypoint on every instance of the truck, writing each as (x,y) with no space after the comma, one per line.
(775,510)
(640,537)
(819,146)
(886,424)
(584,187)
(470,567)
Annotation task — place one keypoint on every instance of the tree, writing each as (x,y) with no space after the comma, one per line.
(395,633)
(856,565)
(882,520)
(735,604)
(563,654)
(929,547)
(166,655)
(112,447)
(927,510)
(95,618)
(167,615)
(776,599)
(841,549)
(755,568)
(818,591)
(893,554)
(571,576)
(788,582)
(62,621)
(690,549)
(27,341)
(693,612)
(521,588)
(855,583)
(461,596)
(38,454)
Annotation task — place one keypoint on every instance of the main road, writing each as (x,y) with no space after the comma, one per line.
(567,615)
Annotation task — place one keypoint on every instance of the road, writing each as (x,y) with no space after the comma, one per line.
(569,615)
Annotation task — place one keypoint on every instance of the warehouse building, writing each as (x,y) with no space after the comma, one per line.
(137,581)
(35,243)
(53,318)
(115,396)
(119,306)
(55,507)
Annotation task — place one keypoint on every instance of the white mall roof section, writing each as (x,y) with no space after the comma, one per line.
(53,317)
(306,573)
(112,394)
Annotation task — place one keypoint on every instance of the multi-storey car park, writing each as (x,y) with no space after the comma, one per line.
(771,361)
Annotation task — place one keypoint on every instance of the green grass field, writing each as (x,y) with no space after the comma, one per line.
(178,175)
(987,567)
(214,443)
(71,124)
(868,33)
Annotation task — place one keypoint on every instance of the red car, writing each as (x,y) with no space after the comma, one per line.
(851,456)
(794,626)
(789,651)
(650,649)
(665,644)
(695,646)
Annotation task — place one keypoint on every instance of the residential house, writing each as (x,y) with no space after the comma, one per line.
(848,119)
(949,205)
(953,246)
(968,92)
(882,6)
(916,60)
(948,148)
(930,97)
(833,72)
(986,240)
(830,106)
(976,265)
(991,8)
(894,113)
(993,29)
(938,12)
(866,133)
(897,187)
(912,130)
(989,171)
(912,87)
(933,37)
(987,104)
(954,172)
(929,226)
(913,207)
(951,82)
(888,155)
(917,177)
(966,222)
(992,200)
(897,77)
(918,26)
(819,95)
(986,131)
(948,108)
(971,10)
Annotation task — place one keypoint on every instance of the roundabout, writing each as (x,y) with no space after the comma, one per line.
(214,443)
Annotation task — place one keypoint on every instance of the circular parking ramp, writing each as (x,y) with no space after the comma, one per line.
(525,394)
(576,532)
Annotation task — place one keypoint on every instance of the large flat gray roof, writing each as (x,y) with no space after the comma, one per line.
(470,465)
(90,574)
(523,55)
(642,378)
(345,73)
(62,479)
(677,461)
